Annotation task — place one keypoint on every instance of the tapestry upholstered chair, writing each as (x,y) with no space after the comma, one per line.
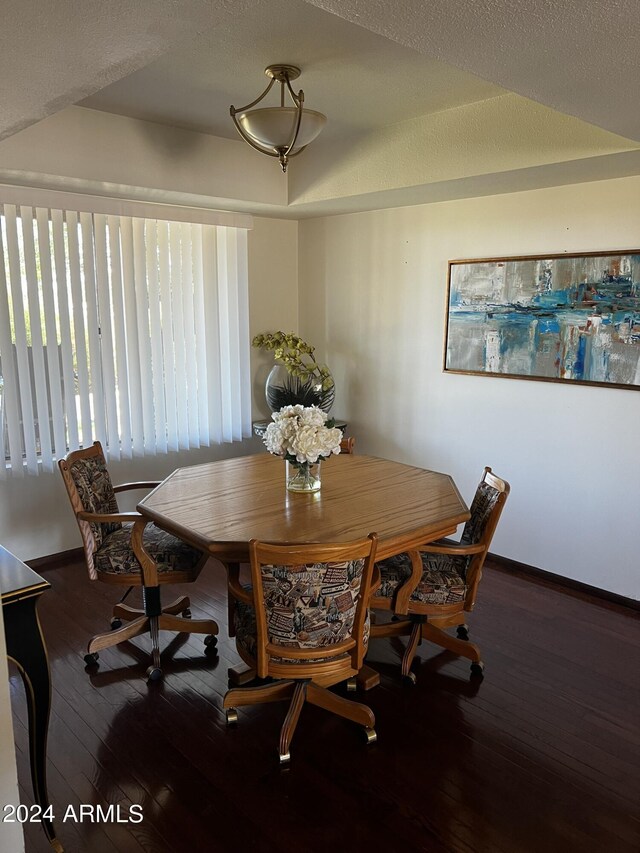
(108,538)
(304,622)
(431,588)
(238,677)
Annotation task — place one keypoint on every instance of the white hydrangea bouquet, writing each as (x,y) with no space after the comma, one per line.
(303,436)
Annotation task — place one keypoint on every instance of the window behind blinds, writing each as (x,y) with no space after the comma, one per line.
(129,330)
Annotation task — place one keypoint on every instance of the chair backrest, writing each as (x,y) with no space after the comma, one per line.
(90,489)
(347,445)
(311,600)
(486,509)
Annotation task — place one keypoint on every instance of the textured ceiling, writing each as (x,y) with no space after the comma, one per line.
(577,56)
(411,88)
(361,80)
(53,54)
(581,57)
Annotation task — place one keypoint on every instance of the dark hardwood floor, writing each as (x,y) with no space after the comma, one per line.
(542,755)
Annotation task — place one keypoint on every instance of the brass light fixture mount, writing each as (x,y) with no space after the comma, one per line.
(282,73)
(282,131)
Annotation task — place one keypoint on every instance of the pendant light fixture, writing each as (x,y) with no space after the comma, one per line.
(281,131)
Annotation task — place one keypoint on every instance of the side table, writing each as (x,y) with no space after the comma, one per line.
(21,589)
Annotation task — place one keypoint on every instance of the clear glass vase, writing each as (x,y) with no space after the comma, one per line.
(283,389)
(303,476)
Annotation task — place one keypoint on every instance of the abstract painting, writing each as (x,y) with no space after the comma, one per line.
(567,318)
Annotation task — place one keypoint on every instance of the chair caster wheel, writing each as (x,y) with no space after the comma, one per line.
(409,680)
(186,613)
(371,735)
(352,685)
(285,758)
(91,659)
(116,623)
(463,632)
(210,643)
(154,673)
(477,670)
(232,716)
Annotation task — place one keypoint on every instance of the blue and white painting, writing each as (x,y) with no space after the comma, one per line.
(573,318)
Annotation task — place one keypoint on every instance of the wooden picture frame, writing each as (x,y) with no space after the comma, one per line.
(556,318)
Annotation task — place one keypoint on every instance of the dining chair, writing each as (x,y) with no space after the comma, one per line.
(304,622)
(113,542)
(431,588)
(347,445)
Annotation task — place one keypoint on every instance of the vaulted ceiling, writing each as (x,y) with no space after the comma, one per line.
(425,100)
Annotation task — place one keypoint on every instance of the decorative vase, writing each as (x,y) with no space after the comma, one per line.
(283,389)
(303,476)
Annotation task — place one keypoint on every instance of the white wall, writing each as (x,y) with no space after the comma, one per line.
(273,294)
(35,515)
(372,292)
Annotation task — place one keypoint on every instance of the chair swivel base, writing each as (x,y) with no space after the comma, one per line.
(168,620)
(298,692)
(418,629)
(125,613)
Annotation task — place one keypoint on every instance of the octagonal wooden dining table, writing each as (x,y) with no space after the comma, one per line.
(220,506)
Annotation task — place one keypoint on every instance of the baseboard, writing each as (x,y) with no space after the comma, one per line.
(552,579)
(56,561)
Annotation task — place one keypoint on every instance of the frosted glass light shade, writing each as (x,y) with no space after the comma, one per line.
(273,127)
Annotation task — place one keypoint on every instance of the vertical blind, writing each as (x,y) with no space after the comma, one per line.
(129,330)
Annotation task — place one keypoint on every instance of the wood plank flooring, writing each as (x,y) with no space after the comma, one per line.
(542,755)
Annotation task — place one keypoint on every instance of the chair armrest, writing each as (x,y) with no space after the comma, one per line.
(405,591)
(123,487)
(454,548)
(239,592)
(108,517)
